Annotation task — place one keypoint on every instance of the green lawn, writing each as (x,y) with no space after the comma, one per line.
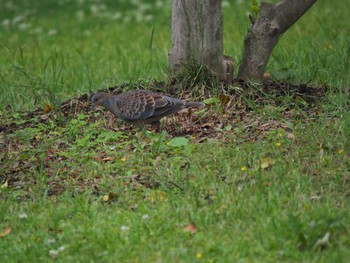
(268,182)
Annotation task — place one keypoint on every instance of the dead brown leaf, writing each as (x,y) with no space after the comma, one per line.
(266,75)
(107,159)
(44,117)
(224,100)
(6,231)
(290,136)
(191,227)
(47,108)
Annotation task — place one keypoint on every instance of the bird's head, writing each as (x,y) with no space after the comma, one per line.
(99,99)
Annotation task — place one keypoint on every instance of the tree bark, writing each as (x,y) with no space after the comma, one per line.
(197,35)
(262,37)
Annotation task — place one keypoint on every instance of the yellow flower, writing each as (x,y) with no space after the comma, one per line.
(280,135)
(123,159)
(244,168)
(278,144)
(341,151)
(199,255)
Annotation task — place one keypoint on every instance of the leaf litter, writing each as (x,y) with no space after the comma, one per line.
(238,113)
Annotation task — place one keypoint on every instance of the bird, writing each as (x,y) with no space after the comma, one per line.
(140,107)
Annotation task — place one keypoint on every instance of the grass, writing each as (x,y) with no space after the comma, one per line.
(269,183)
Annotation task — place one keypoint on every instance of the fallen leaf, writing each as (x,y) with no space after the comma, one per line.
(44,117)
(228,127)
(208,125)
(267,162)
(5,232)
(323,242)
(244,168)
(47,108)
(107,159)
(315,197)
(224,100)
(103,159)
(108,197)
(266,75)
(300,101)
(158,195)
(178,141)
(199,255)
(189,113)
(190,228)
(5,185)
(290,136)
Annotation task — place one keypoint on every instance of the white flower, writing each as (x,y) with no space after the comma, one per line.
(54,252)
(23,216)
(10,5)
(144,7)
(225,4)
(38,30)
(126,19)
(145,217)
(23,26)
(148,18)
(116,16)
(124,228)
(80,14)
(51,241)
(52,32)
(6,22)
(94,9)
(18,19)
(159,4)
(87,33)
(61,248)
(102,7)
(138,17)
(135,2)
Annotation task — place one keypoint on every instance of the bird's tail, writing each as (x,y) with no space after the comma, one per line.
(194,104)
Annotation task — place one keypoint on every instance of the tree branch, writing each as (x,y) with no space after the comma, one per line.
(262,37)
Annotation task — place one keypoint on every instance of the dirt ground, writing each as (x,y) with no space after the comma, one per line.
(236,105)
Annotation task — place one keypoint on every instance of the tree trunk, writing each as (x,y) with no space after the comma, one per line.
(262,37)
(197,35)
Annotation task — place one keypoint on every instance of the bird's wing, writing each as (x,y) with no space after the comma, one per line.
(139,105)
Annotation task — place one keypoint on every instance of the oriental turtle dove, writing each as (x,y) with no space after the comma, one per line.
(140,107)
